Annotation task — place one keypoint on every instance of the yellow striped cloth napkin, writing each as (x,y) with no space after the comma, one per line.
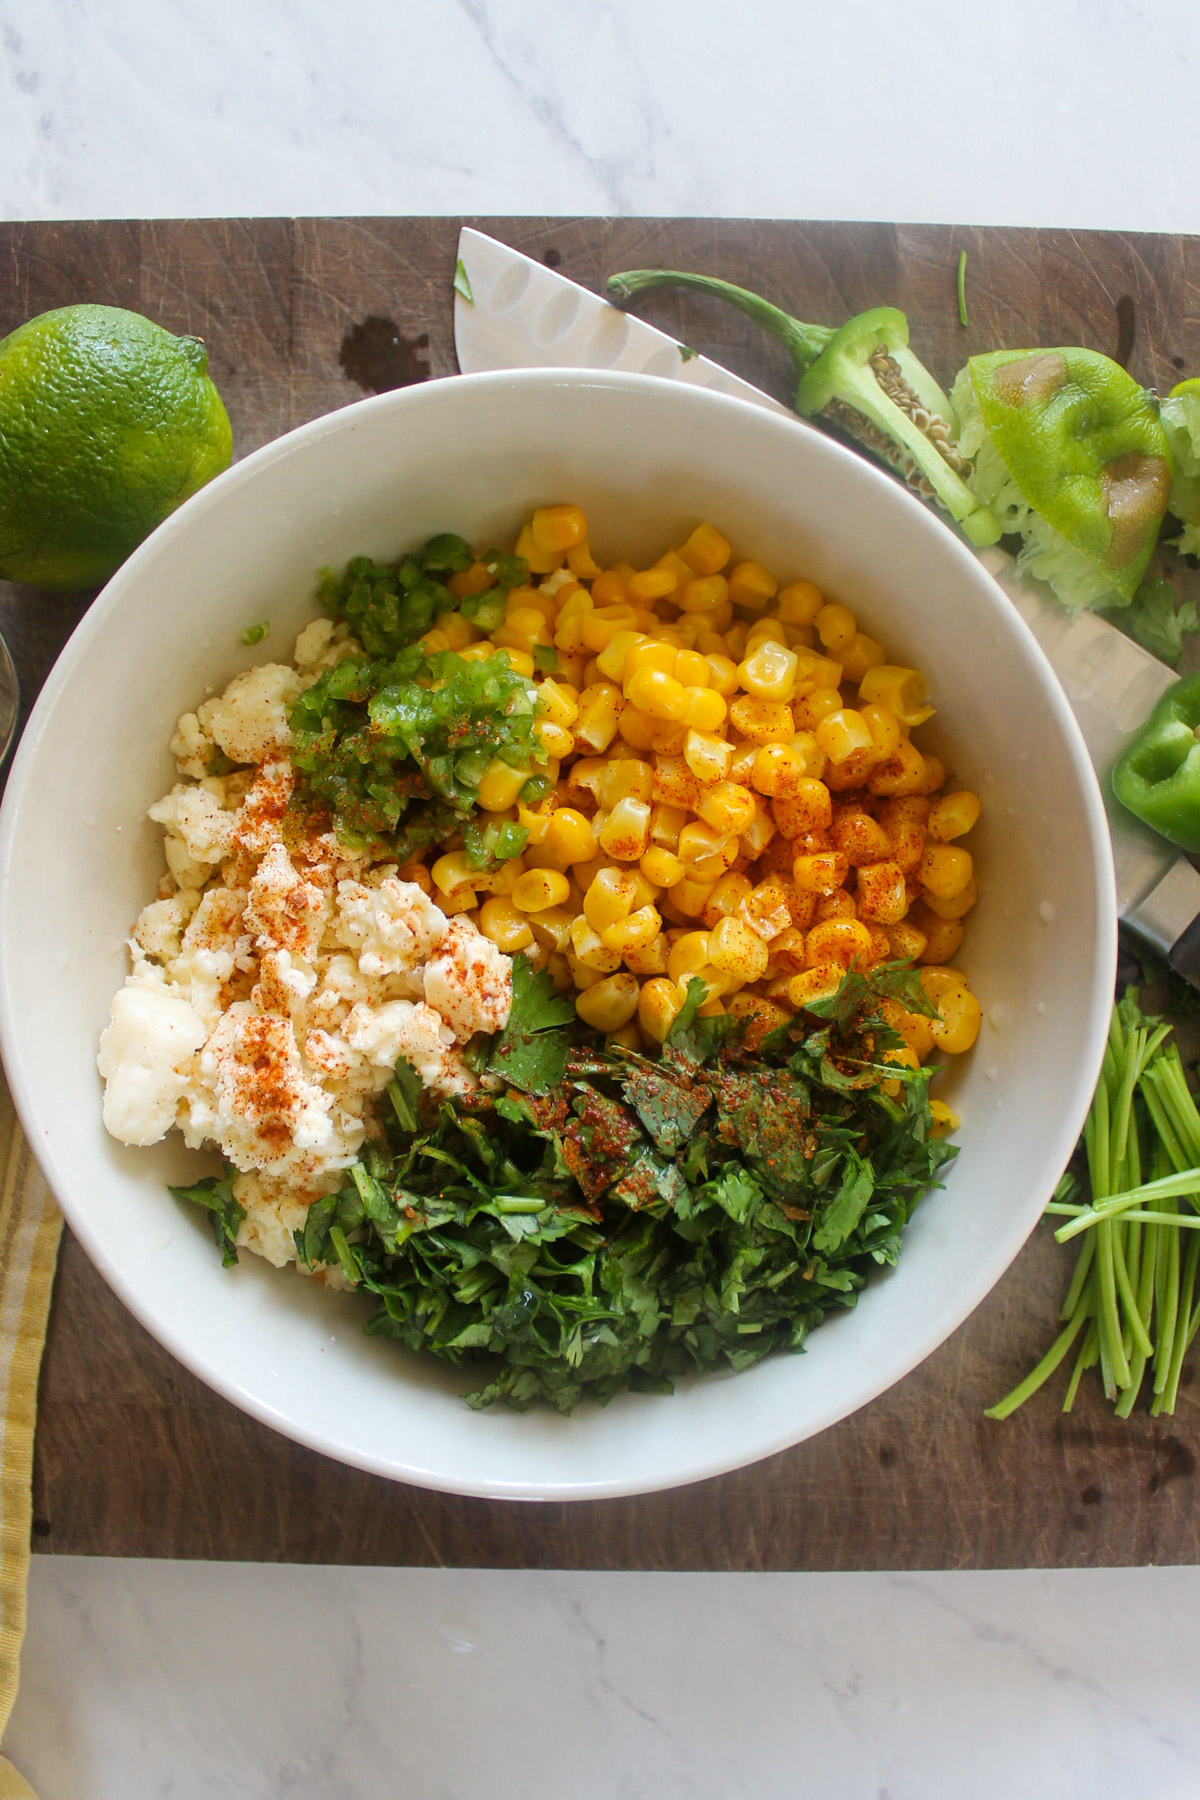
(30,1226)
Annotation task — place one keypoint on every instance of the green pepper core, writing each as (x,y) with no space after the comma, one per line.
(865,381)
(1158,776)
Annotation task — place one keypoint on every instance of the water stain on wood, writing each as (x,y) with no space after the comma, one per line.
(1126,329)
(377,355)
(1092,1496)
(551,258)
(1175,1462)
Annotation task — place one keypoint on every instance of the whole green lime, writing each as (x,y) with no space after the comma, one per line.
(107,424)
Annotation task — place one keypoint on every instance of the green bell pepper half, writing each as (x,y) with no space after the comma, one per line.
(1085,446)
(1158,776)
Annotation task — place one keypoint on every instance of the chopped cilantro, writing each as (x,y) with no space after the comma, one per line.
(255,634)
(225,1214)
(686,352)
(613,1221)
(461,284)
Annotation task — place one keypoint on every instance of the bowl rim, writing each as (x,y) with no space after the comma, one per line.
(703,1464)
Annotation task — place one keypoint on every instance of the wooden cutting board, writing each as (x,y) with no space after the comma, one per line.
(134,1455)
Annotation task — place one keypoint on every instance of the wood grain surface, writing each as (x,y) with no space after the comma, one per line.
(134,1455)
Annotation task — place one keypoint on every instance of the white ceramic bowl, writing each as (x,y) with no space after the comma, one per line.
(646,459)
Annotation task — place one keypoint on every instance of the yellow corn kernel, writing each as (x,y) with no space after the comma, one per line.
(766,631)
(569,837)
(765,910)
(657,694)
(652,584)
(959,1013)
(903,773)
(528,626)
(651,959)
(903,690)
(636,729)
(692,669)
(453,872)
(840,734)
(503,879)
(759,832)
(722,673)
(698,841)
(688,953)
(611,660)
(556,704)
(500,921)
(705,595)
(568,636)
(799,603)
(590,949)
(650,653)
(862,838)
(820,872)
(843,941)
(808,809)
(690,897)
(625,777)
(840,904)
(457,631)
(582,563)
(942,936)
(610,897)
(707,757)
(666,822)
(667,736)
(553,740)
(610,1003)
(884,728)
(814,984)
(778,770)
(882,894)
(727,807)
(836,626)
(556,528)
(957,906)
(599,708)
(752,585)
(583,975)
(539,889)
(763,721)
(647,890)
(467,582)
(726,900)
(769,672)
(519,661)
(706,551)
(953,815)
(760,1017)
(706,709)
(859,655)
(658,1006)
(552,928)
(674,782)
(478,652)
(737,951)
(600,626)
(634,933)
(662,866)
(500,786)
(625,833)
(945,870)
(942,1121)
(906,943)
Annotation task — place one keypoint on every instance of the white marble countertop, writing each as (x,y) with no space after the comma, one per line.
(197,1681)
(186,1681)
(1036,112)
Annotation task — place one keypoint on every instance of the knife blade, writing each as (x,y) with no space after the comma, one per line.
(523,315)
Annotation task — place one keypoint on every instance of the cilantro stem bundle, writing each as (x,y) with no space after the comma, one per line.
(1132,1301)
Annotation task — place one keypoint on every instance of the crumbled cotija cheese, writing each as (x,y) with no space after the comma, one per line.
(275,983)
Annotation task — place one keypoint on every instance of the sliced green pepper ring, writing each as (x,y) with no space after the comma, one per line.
(1158,776)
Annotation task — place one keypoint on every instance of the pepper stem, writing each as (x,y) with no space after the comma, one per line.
(805,342)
